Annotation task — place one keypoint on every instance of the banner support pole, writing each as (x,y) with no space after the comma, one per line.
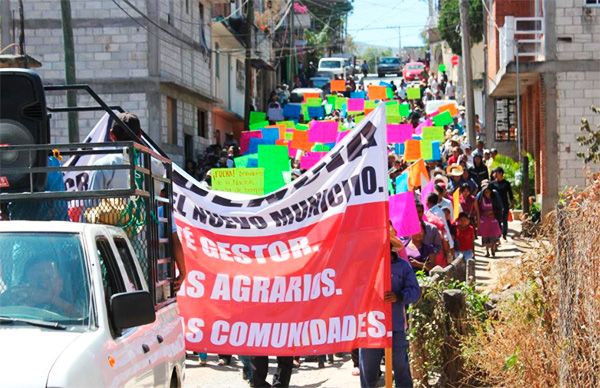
(388,368)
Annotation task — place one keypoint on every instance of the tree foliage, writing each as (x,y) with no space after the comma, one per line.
(590,139)
(449,23)
(371,55)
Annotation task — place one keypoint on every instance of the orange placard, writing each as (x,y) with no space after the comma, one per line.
(377,92)
(368,110)
(311,95)
(416,172)
(412,150)
(450,108)
(338,85)
(300,141)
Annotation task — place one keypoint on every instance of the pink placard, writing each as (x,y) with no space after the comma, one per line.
(399,133)
(322,131)
(310,159)
(356,105)
(419,128)
(341,135)
(245,139)
(403,213)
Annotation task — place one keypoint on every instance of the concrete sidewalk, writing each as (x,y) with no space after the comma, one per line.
(488,269)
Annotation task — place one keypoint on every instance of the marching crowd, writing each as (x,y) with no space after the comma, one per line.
(463,174)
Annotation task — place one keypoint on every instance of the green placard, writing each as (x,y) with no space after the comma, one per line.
(258,126)
(288,124)
(314,101)
(413,93)
(442,68)
(302,127)
(370,104)
(404,110)
(320,147)
(389,93)
(331,99)
(256,117)
(433,133)
(289,135)
(426,149)
(392,108)
(394,119)
(340,102)
(444,118)
(358,119)
(242,161)
(238,180)
(305,111)
(274,159)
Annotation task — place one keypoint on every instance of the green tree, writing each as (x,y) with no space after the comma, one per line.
(449,23)
(371,55)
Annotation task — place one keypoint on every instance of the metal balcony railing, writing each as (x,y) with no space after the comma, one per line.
(521,37)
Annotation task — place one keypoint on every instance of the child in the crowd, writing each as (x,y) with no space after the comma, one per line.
(465,237)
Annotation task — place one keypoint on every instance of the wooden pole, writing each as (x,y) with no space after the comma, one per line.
(389,380)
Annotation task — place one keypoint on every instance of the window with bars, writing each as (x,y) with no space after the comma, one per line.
(506,120)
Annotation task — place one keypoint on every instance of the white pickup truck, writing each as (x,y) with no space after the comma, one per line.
(76,311)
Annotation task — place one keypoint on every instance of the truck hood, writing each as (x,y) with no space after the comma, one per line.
(28,354)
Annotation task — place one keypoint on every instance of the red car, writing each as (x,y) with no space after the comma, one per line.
(412,70)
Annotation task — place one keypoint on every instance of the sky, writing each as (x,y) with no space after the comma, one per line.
(410,15)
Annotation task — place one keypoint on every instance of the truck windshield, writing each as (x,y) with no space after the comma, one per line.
(43,277)
(330,64)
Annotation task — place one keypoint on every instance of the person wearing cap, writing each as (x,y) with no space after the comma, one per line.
(479,171)
(479,148)
(504,189)
(468,152)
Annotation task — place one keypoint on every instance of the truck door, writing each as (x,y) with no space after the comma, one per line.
(156,338)
(129,349)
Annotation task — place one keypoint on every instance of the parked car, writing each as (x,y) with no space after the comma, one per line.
(413,70)
(389,65)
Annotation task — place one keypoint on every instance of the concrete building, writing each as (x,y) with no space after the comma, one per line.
(152,57)
(229,70)
(557,46)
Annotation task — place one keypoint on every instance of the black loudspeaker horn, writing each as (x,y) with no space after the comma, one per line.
(23,120)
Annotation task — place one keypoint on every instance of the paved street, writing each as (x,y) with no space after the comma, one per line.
(372,79)
(308,376)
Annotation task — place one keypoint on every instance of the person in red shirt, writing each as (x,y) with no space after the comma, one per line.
(465,237)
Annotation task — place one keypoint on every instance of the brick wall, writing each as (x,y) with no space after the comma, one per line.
(580,25)
(576,92)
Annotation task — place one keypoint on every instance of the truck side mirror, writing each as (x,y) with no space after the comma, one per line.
(130,309)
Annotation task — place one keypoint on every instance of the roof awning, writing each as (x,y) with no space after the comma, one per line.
(259,63)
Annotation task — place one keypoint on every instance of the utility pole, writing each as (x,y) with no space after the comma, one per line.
(70,73)
(292,58)
(248,83)
(467,70)
(5,17)
(399,41)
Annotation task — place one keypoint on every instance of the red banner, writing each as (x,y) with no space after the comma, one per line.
(301,271)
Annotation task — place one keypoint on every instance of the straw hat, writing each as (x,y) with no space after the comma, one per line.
(455,170)
(440,178)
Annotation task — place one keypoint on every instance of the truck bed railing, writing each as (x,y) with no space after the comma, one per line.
(141,210)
